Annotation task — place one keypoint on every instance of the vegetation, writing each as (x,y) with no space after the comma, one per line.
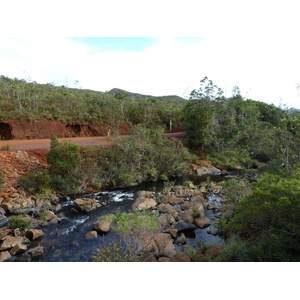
(114,252)
(263,221)
(19,222)
(145,156)
(26,99)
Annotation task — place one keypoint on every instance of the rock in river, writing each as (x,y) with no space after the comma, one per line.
(85,204)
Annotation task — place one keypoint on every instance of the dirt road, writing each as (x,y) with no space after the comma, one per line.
(83,141)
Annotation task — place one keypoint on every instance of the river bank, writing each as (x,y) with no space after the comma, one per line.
(66,234)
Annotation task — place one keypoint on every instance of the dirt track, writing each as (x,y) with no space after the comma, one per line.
(83,141)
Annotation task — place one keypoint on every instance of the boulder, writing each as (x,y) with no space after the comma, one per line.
(182,226)
(147,257)
(164,245)
(91,235)
(34,234)
(18,248)
(9,242)
(85,204)
(36,252)
(213,252)
(198,199)
(4,256)
(145,200)
(103,226)
(165,208)
(202,222)
(198,210)
(213,231)
(171,199)
(181,240)
(3,220)
(166,220)
(181,257)
(48,215)
(164,259)
(17,205)
(187,216)
(208,171)
(4,231)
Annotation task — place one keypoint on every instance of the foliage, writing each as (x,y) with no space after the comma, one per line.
(268,218)
(63,157)
(114,252)
(26,99)
(125,222)
(144,156)
(19,222)
(236,132)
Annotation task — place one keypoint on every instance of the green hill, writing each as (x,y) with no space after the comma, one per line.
(131,95)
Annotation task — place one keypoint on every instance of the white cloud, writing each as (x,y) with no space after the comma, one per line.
(266,69)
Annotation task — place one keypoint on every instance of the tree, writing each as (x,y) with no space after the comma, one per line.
(63,157)
(207,90)
(197,118)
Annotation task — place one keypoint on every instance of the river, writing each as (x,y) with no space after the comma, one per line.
(66,241)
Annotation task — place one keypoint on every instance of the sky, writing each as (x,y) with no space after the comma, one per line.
(265,68)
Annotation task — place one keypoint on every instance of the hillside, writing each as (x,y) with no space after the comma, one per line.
(131,95)
(28,100)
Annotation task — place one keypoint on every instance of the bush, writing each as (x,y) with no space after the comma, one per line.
(114,252)
(268,218)
(19,222)
(63,157)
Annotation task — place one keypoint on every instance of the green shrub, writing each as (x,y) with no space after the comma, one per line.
(19,222)
(114,252)
(268,218)
(63,157)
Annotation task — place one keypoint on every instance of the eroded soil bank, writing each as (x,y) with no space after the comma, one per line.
(24,129)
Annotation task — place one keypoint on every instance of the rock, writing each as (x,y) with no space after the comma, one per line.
(171,199)
(198,210)
(164,245)
(4,232)
(173,232)
(34,234)
(213,231)
(212,251)
(17,205)
(200,257)
(208,171)
(91,235)
(58,207)
(182,226)
(11,241)
(165,208)
(145,200)
(164,259)
(3,220)
(187,216)
(25,257)
(103,226)
(198,199)
(147,257)
(4,256)
(18,248)
(48,215)
(85,204)
(36,252)
(202,222)
(166,220)
(181,240)
(181,257)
